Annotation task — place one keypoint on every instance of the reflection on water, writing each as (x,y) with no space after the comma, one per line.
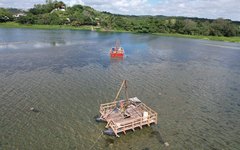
(116,59)
(66,75)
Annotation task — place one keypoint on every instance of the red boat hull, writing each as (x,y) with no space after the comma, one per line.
(116,54)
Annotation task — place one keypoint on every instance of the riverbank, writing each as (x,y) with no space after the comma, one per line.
(213,38)
(48,27)
(68,27)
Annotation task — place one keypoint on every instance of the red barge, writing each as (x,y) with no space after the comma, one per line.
(117,51)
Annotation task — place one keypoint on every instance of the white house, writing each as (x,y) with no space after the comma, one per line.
(19,15)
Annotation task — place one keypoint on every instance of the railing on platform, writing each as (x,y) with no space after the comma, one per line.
(133,123)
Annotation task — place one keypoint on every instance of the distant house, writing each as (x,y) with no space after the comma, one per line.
(59,6)
(62,9)
(56,9)
(19,15)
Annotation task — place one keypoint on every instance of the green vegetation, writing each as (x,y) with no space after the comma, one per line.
(5,15)
(55,15)
(215,38)
(37,26)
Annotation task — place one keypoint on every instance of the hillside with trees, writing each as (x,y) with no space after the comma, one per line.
(57,13)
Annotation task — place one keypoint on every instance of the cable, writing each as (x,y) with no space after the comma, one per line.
(96,141)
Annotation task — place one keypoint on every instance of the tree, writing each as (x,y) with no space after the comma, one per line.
(179,25)
(161,26)
(222,27)
(29,19)
(5,15)
(190,27)
(59,5)
(204,28)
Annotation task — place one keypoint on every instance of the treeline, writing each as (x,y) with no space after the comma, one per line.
(5,15)
(56,13)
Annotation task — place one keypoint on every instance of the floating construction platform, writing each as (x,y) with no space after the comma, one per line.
(126,114)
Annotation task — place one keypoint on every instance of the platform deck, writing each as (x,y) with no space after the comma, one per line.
(135,115)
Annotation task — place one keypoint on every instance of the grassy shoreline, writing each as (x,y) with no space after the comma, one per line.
(47,27)
(235,39)
(68,27)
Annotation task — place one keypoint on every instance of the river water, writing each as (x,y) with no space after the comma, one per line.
(194,86)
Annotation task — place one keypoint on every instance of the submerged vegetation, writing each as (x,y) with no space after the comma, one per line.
(55,15)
